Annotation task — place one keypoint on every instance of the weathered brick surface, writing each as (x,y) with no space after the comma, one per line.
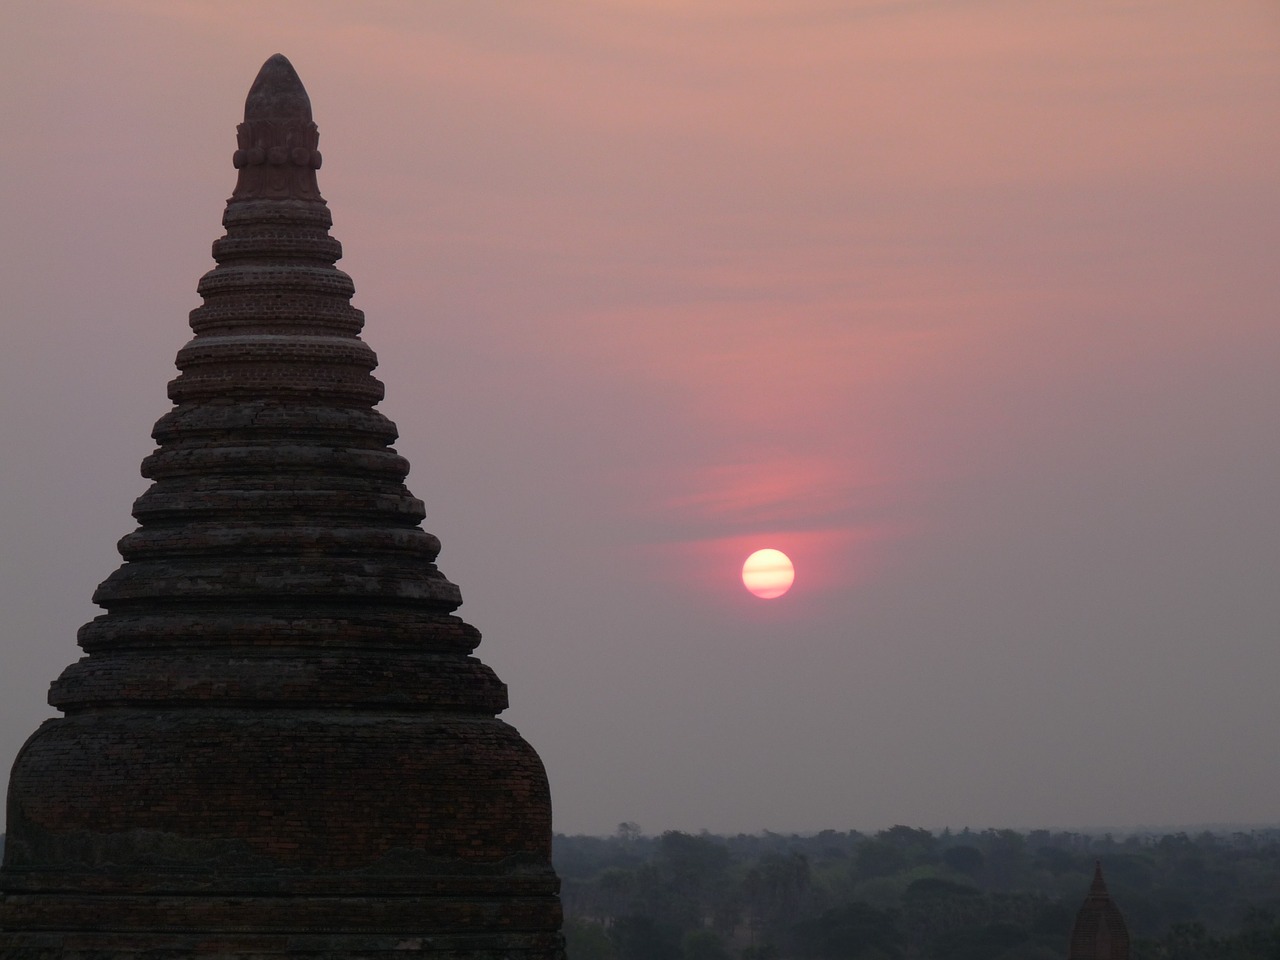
(278,744)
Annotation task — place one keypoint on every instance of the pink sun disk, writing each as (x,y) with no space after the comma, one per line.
(768,573)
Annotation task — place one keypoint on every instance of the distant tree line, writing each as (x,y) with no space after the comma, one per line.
(909,894)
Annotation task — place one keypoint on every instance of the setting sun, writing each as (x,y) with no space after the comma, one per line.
(768,574)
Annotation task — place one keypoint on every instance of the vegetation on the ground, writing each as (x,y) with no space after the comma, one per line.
(910,894)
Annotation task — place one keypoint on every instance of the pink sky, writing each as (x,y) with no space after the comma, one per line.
(971,307)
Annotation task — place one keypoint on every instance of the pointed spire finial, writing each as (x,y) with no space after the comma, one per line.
(277,93)
(277,156)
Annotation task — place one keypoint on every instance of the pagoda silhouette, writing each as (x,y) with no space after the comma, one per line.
(1099,932)
(278,744)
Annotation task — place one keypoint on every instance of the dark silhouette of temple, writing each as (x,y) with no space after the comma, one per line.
(1099,932)
(278,744)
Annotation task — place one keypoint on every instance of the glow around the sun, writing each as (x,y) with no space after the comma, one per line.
(768,573)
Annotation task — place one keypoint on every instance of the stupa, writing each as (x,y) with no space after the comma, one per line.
(278,744)
(1099,932)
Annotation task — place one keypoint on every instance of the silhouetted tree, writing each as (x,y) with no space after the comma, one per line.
(644,938)
(587,940)
(964,859)
(854,931)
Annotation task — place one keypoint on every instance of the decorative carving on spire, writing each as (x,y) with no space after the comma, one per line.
(277,156)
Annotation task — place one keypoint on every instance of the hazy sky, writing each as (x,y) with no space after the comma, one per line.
(968,305)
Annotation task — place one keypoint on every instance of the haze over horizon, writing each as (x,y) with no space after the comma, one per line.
(970,308)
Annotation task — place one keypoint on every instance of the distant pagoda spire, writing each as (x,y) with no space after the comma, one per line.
(278,744)
(1099,932)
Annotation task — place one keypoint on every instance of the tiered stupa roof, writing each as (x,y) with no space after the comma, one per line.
(278,743)
(1099,932)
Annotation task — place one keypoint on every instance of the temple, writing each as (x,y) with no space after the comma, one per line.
(278,744)
(1099,932)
